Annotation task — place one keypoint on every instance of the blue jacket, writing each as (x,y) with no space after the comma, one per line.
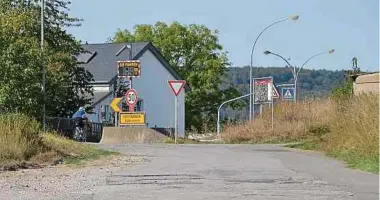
(79,113)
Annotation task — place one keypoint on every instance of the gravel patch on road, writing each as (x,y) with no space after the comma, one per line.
(62,182)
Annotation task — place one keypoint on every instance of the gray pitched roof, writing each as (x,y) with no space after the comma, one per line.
(101,59)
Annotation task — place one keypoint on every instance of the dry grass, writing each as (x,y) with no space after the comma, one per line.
(19,138)
(344,128)
(291,122)
(354,131)
(21,141)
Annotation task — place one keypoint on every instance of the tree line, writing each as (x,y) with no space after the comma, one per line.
(311,82)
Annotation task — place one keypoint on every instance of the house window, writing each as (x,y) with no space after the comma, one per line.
(105,114)
(102,113)
(108,113)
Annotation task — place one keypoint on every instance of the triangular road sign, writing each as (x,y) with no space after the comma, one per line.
(275,92)
(176,86)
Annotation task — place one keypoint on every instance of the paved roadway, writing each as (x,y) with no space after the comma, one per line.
(234,172)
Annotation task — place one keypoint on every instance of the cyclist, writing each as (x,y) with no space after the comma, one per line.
(78,117)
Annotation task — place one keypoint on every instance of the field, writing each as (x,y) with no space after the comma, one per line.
(345,128)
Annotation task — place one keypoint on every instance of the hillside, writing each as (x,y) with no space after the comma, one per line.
(311,84)
(316,83)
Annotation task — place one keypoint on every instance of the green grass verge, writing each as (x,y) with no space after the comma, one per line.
(305,145)
(356,161)
(92,153)
(191,141)
(181,141)
(352,159)
(268,141)
(74,152)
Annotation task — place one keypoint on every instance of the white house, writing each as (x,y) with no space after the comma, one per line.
(156,98)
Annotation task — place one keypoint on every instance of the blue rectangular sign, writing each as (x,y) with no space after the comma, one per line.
(287,93)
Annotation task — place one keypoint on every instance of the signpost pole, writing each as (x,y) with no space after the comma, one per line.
(272,104)
(115,119)
(272,116)
(253,101)
(176,119)
(176,86)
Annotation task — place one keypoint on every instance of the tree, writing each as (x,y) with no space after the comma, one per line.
(67,84)
(195,53)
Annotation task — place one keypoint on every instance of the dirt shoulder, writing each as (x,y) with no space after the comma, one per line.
(62,181)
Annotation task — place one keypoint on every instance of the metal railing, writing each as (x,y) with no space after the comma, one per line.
(65,127)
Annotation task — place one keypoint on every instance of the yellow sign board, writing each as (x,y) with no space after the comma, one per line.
(132,118)
(129,68)
(114,104)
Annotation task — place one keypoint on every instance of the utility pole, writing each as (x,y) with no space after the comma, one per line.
(43,65)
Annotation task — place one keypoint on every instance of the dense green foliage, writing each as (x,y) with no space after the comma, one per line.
(21,61)
(195,53)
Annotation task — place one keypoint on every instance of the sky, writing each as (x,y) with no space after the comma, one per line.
(351,27)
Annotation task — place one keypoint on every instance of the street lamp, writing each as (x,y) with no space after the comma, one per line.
(252,96)
(295,72)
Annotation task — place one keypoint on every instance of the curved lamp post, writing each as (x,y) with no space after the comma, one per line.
(295,72)
(294,18)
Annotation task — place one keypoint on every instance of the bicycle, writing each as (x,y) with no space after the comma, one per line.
(80,134)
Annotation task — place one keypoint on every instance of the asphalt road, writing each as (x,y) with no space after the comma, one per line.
(234,172)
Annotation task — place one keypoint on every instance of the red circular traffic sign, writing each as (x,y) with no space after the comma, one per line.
(131,97)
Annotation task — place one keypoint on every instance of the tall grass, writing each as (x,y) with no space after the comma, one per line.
(354,131)
(19,137)
(291,122)
(347,128)
(21,141)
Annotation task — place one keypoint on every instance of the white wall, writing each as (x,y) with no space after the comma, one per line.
(96,117)
(158,98)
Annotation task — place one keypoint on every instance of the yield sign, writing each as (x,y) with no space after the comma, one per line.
(114,104)
(176,86)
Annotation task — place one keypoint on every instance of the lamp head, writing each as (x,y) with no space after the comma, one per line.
(267,52)
(294,17)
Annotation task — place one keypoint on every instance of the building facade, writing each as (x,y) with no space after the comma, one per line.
(156,98)
(367,83)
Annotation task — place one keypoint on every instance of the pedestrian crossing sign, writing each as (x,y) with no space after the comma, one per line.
(288,93)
